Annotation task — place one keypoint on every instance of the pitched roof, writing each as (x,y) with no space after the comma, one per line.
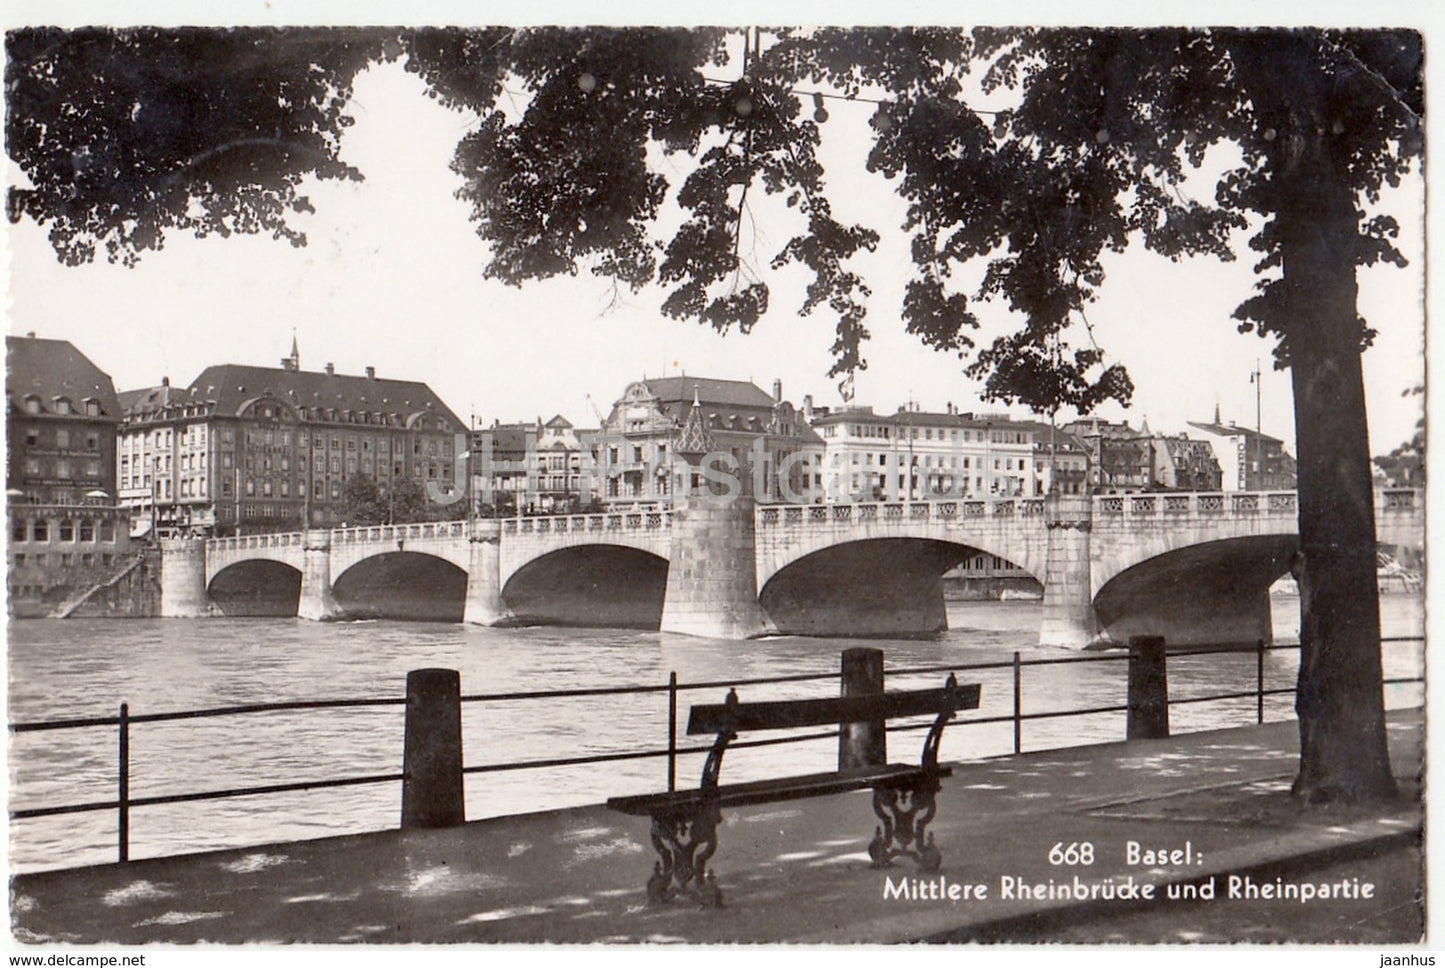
(1231,431)
(230,386)
(148,400)
(53,368)
(727,393)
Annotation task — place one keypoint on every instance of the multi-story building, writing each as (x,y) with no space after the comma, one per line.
(1060,461)
(66,530)
(916,455)
(775,453)
(1121,457)
(561,484)
(1248,460)
(163,458)
(1182,464)
(253,448)
(504,467)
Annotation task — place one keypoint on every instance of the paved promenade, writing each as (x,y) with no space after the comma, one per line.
(798,871)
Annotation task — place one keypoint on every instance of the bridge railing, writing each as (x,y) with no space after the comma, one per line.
(125,802)
(277,539)
(1170,504)
(648,519)
(943,509)
(364,534)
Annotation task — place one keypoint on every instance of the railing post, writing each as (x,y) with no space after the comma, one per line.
(1018,710)
(1148,716)
(123,785)
(862,744)
(671,731)
(1259,680)
(431,791)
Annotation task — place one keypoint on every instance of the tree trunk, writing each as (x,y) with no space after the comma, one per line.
(1340,701)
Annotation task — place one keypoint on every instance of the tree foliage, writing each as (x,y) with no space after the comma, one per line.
(125,135)
(402,501)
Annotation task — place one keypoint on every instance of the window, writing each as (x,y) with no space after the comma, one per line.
(62,405)
(18,530)
(87,530)
(19,561)
(32,436)
(107,530)
(41,532)
(62,439)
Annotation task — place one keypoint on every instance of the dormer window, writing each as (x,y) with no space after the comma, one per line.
(92,408)
(62,405)
(32,404)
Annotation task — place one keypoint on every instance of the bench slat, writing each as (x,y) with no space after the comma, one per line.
(793,713)
(772,791)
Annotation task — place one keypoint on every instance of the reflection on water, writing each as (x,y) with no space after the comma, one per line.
(88,667)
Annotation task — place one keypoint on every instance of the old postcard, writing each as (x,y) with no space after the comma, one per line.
(515,483)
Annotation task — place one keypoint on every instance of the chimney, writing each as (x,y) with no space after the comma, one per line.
(777,391)
(808,407)
(165,381)
(331,368)
(371,373)
(30,335)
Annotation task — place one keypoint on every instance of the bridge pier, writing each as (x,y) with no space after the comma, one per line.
(183,578)
(1068,607)
(317,603)
(712,578)
(484,575)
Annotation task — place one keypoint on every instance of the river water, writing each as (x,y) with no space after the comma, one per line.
(79,668)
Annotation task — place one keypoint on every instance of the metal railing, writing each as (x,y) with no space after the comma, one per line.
(124,802)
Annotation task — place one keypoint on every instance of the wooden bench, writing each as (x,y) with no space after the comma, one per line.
(684,822)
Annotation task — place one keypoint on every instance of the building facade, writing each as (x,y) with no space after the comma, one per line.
(1248,460)
(66,530)
(760,441)
(248,448)
(916,455)
(1183,464)
(1060,461)
(1121,457)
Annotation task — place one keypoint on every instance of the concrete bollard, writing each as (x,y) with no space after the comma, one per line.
(1148,689)
(862,744)
(431,793)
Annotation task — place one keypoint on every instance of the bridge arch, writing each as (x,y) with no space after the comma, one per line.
(256,587)
(1207,593)
(589,584)
(788,534)
(866,587)
(408,585)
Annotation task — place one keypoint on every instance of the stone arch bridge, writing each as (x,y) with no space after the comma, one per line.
(1195,568)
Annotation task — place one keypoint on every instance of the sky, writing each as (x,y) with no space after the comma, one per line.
(392,278)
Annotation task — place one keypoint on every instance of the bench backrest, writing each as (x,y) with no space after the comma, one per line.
(789,714)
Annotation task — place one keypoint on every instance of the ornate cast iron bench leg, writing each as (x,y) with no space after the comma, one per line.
(906,813)
(685,840)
